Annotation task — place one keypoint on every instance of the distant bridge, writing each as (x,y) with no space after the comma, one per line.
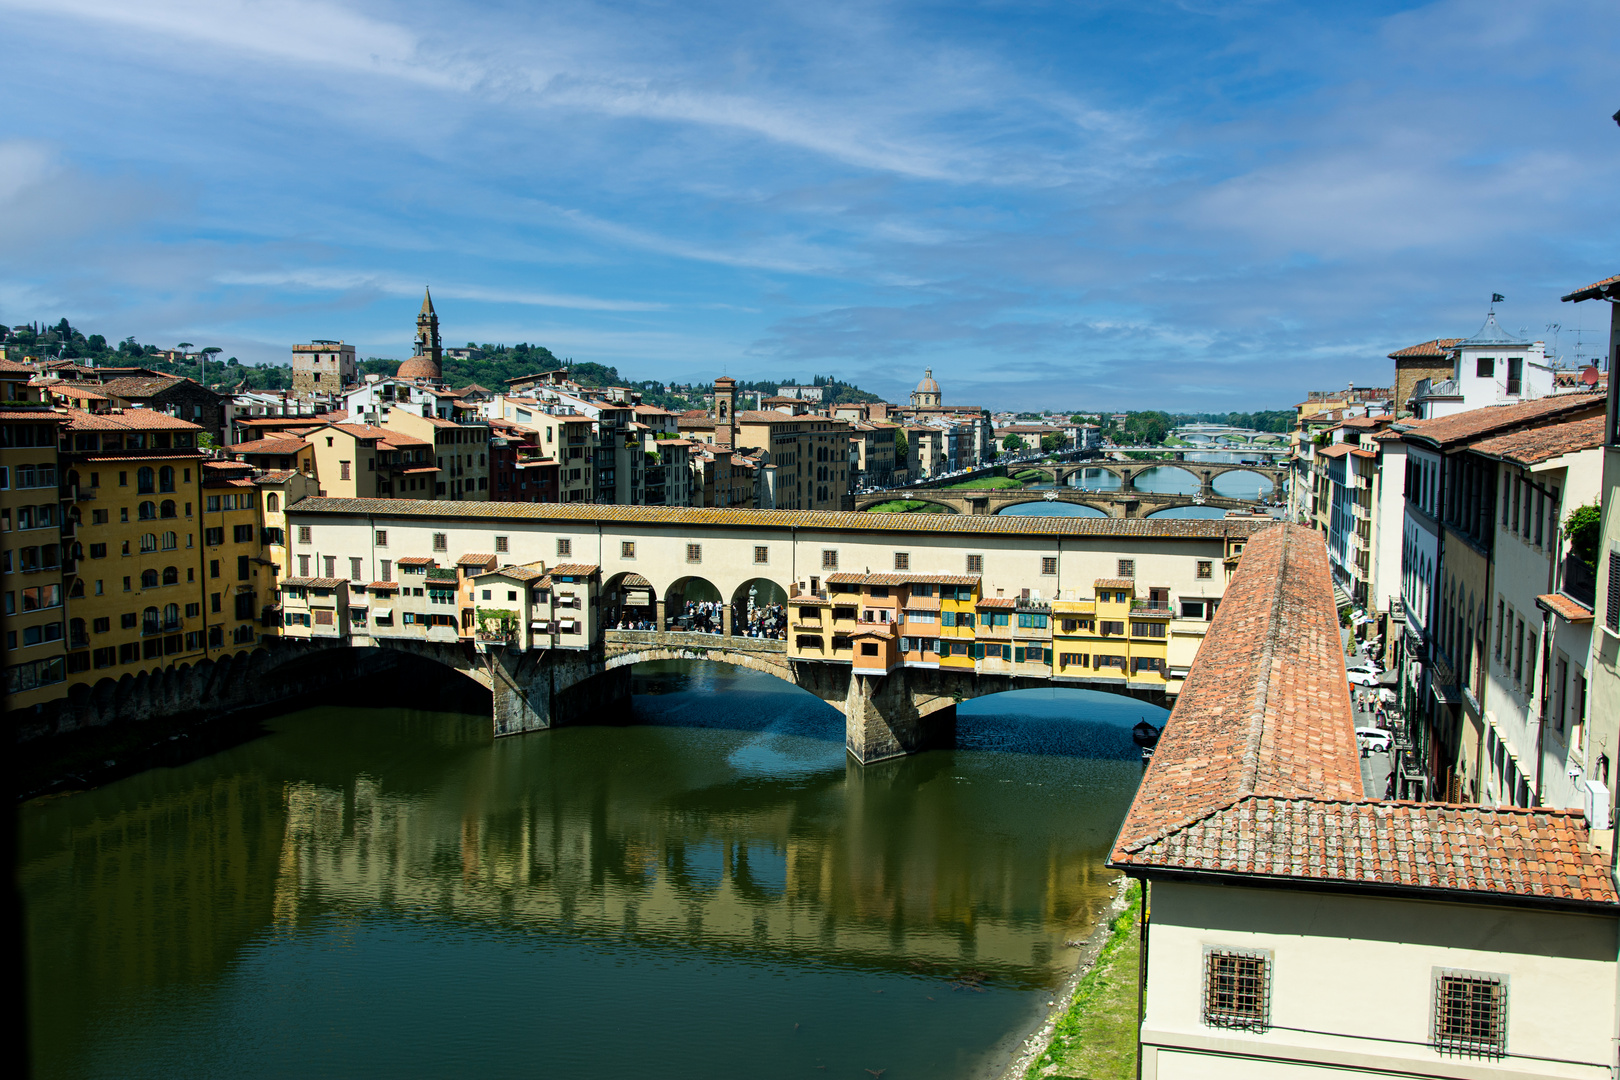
(1114,504)
(1204,472)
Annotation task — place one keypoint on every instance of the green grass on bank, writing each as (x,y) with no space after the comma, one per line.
(907,506)
(1032,476)
(1096,1037)
(992,482)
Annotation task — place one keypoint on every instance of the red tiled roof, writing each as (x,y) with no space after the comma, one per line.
(1437,349)
(1535,445)
(138,386)
(1114,583)
(477,560)
(994,602)
(1476,423)
(1565,607)
(31,414)
(848,578)
(415,560)
(269,446)
(384,586)
(574,569)
(1257,773)
(1540,853)
(128,420)
(1608,287)
(1266,706)
(73,390)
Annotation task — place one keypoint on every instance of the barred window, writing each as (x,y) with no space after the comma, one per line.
(627,549)
(1048,565)
(1237,989)
(829,558)
(1127,568)
(762,555)
(565,547)
(975,564)
(303,534)
(902,560)
(1470,1014)
(382,537)
(501,544)
(441,542)
(1206,568)
(694,552)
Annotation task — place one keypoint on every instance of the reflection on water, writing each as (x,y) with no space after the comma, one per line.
(711,889)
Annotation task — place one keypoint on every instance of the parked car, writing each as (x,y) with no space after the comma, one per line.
(1363,678)
(1362,663)
(1372,740)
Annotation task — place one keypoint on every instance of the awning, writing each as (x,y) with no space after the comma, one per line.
(382,613)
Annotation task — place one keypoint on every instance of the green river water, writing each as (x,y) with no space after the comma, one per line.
(706,888)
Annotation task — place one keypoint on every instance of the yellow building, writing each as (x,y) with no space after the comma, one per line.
(459,448)
(1113,637)
(138,592)
(238,580)
(958,617)
(35,543)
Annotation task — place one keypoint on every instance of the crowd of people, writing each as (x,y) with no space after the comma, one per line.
(769,621)
(699,617)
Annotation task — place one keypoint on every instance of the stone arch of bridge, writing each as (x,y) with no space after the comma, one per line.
(775,664)
(757,595)
(1101,506)
(917,496)
(697,590)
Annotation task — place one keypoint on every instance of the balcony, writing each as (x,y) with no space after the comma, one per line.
(1578,582)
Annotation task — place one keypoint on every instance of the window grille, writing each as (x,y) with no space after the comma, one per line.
(441,542)
(902,560)
(627,549)
(762,555)
(1206,568)
(975,564)
(1470,1014)
(1048,565)
(694,553)
(1127,568)
(1237,988)
(303,534)
(829,559)
(565,547)
(501,544)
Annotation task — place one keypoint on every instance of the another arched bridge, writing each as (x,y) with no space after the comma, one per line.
(1113,504)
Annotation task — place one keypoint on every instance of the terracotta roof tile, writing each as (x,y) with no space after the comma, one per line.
(847,578)
(994,602)
(1608,287)
(1535,445)
(1565,607)
(384,586)
(1439,348)
(477,560)
(128,420)
(1478,423)
(574,569)
(409,560)
(987,524)
(1114,583)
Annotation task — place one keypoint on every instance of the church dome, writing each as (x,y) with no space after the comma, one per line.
(928,385)
(420,367)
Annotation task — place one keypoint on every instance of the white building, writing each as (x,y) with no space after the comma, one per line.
(1493,367)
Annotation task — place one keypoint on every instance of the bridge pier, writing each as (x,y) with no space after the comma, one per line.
(533,691)
(882,719)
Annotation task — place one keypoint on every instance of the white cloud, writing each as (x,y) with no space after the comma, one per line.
(350,280)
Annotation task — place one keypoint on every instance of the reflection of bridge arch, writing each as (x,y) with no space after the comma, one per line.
(1101,506)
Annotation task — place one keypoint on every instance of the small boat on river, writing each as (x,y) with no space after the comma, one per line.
(1145,735)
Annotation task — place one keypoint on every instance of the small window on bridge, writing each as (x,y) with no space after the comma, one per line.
(902,560)
(382,537)
(1127,568)
(627,549)
(441,542)
(304,533)
(975,564)
(762,555)
(829,559)
(501,544)
(694,553)
(565,547)
(1049,565)
(1206,568)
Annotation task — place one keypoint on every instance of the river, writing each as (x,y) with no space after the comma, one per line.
(1165,480)
(706,887)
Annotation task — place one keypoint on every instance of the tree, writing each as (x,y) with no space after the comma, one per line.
(1584,527)
(1013,442)
(1050,443)
(902,448)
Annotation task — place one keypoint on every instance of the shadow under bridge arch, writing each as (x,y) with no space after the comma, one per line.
(759,609)
(629,602)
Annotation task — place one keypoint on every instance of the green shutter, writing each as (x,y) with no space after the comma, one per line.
(1018,654)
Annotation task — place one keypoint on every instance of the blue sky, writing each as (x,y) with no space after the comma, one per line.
(1189,205)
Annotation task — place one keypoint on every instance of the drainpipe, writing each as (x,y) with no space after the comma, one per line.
(1141,973)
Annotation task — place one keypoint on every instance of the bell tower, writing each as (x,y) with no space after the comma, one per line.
(725,411)
(427,359)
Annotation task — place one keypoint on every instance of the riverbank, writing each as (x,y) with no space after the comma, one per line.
(1093,1036)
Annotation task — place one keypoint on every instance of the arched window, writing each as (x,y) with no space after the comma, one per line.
(148,511)
(144,478)
(166,478)
(149,621)
(148,542)
(167,509)
(171,616)
(149,579)
(272,502)
(170,541)
(171,576)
